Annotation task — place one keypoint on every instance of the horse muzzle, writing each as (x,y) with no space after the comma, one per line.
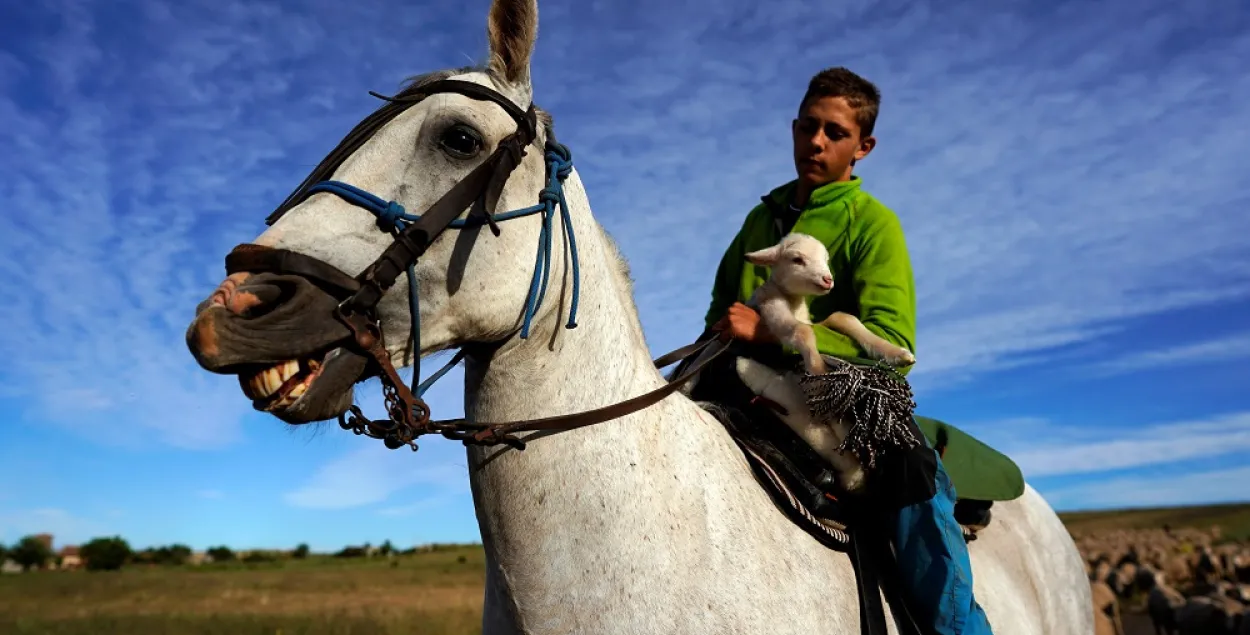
(278,334)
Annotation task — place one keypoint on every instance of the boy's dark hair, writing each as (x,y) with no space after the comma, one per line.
(858,92)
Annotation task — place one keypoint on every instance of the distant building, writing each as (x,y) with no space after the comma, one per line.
(10,567)
(46,539)
(71,558)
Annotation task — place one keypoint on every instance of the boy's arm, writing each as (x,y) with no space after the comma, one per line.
(884,285)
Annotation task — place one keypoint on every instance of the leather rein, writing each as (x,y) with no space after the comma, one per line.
(408,415)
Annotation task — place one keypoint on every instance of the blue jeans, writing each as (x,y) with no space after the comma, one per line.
(934,565)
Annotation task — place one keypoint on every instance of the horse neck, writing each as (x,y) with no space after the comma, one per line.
(617,477)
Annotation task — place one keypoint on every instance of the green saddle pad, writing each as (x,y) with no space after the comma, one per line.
(977,471)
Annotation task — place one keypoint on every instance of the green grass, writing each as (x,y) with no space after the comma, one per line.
(1233,519)
(435,593)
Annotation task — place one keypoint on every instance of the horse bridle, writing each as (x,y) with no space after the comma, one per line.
(409,415)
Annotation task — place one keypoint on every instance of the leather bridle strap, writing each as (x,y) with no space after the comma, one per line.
(527,126)
(489,433)
(359,295)
(253,258)
(413,240)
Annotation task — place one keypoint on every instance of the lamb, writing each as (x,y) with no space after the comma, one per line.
(799,267)
(1106,610)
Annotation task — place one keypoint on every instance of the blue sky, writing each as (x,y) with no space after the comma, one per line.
(1070,177)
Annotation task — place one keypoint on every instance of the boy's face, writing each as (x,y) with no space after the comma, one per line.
(826,141)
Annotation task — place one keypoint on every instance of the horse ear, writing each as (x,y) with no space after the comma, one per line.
(511,30)
(765,257)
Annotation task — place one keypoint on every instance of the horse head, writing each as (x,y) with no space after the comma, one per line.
(426,215)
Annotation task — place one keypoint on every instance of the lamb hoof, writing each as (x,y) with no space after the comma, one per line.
(901,357)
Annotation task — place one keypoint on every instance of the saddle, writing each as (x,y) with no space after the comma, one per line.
(804,487)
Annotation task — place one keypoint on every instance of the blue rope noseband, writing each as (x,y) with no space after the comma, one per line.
(393,218)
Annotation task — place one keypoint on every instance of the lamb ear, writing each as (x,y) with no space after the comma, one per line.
(511,31)
(764,257)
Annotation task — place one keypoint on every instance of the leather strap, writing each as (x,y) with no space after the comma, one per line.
(412,242)
(257,258)
(527,129)
(494,431)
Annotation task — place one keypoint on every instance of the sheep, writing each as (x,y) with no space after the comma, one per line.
(799,267)
(1241,566)
(1208,615)
(1106,610)
(1121,578)
(1162,604)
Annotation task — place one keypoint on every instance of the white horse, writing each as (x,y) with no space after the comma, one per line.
(649,523)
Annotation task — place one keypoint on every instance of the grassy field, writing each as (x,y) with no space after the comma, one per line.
(435,593)
(430,593)
(1233,520)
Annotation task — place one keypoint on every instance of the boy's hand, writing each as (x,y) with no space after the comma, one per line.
(742,323)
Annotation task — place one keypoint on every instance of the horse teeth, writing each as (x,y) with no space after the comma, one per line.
(299,389)
(273,380)
(268,381)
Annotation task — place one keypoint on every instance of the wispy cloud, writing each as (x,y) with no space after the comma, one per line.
(371,475)
(1209,351)
(1044,450)
(422,507)
(1039,212)
(1195,488)
(1017,161)
(128,177)
(66,528)
(1060,177)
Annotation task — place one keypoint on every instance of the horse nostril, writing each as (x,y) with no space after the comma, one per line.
(257,299)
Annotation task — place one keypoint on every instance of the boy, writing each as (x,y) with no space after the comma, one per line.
(873,281)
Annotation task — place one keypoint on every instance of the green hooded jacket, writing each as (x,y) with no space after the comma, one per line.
(868,257)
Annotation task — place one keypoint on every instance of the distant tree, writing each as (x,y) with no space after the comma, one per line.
(167,555)
(351,552)
(301,551)
(171,555)
(386,549)
(4,553)
(106,554)
(30,552)
(144,556)
(220,554)
(259,556)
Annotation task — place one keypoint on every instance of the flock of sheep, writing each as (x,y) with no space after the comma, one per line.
(1187,581)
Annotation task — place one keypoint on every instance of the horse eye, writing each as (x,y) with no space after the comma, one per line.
(461,142)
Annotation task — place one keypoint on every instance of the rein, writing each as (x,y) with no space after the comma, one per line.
(408,415)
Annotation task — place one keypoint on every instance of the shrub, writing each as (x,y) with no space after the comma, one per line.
(106,554)
(220,554)
(259,556)
(351,552)
(31,553)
